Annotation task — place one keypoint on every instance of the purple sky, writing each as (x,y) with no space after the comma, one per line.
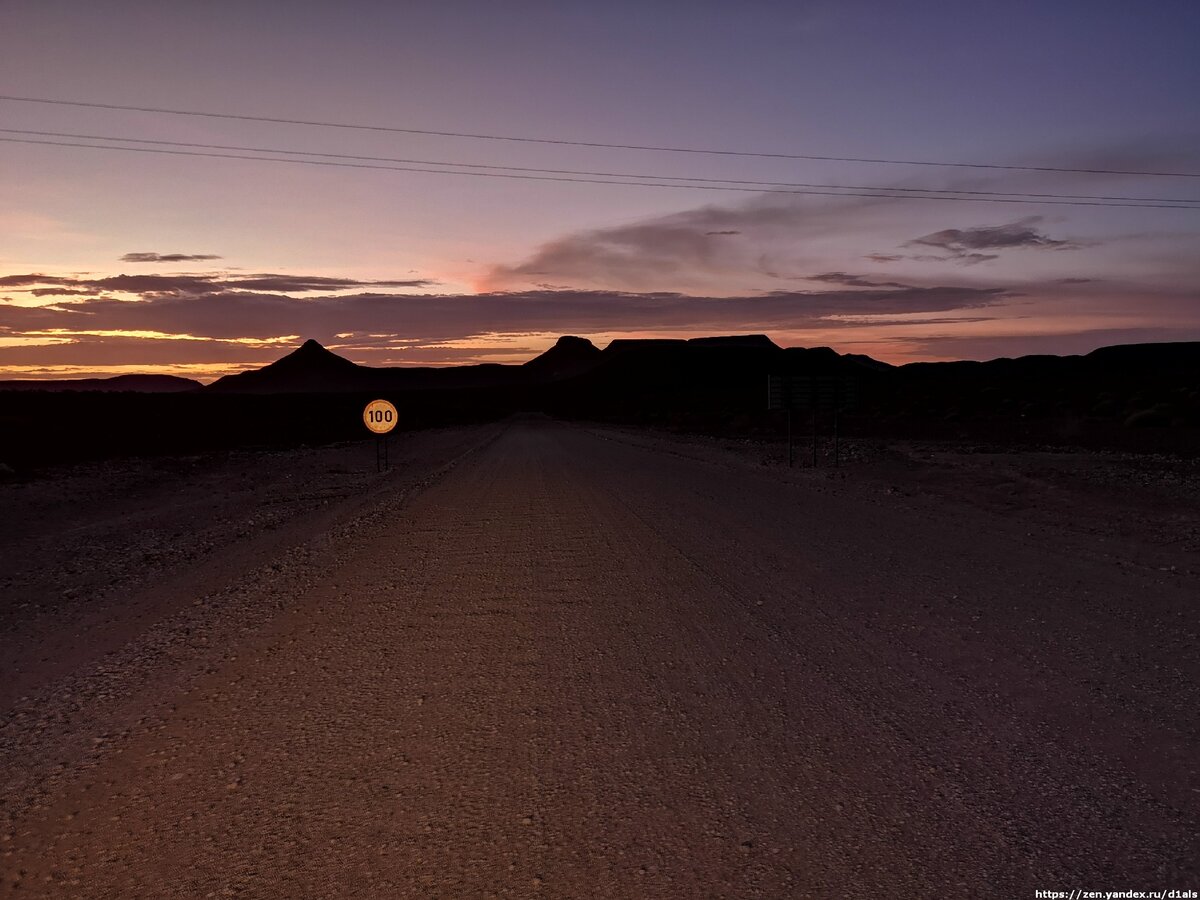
(228,263)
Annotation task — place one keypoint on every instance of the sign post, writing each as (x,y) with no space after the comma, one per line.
(814,433)
(813,393)
(380,417)
(789,429)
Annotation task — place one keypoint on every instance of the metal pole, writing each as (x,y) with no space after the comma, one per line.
(789,431)
(836,446)
(814,429)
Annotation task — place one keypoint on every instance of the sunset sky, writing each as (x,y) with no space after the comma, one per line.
(114,261)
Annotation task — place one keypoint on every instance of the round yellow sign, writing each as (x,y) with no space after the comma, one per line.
(380,416)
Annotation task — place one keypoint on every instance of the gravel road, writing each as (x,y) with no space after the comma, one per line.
(547,660)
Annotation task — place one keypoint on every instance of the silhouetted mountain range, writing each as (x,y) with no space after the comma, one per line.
(1138,396)
(700,361)
(145,384)
(1157,384)
(728,374)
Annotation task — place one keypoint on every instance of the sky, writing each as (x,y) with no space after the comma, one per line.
(114,259)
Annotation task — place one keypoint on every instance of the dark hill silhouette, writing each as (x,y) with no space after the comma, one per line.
(146,384)
(314,369)
(1179,358)
(664,379)
(1130,384)
(646,377)
(308,369)
(570,355)
(1115,362)
(869,362)
(712,362)
(717,363)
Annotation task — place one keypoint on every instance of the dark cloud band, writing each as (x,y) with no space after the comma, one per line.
(167,257)
(967,245)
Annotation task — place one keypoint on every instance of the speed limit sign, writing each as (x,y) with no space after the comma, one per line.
(380,416)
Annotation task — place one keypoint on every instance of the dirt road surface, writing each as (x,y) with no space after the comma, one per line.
(543,660)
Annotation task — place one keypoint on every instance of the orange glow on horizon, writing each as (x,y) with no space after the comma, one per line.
(66,333)
(894,343)
(203,372)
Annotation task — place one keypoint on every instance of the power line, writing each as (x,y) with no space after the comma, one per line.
(673,178)
(594,144)
(694,187)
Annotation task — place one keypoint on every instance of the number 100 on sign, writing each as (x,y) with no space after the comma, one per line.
(380,416)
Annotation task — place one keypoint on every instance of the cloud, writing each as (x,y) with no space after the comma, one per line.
(19,280)
(790,234)
(627,256)
(678,251)
(966,259)
(62,292)
(237,315)
(846,280)
(787,234)
(297,283)
(964,245)
(163,285)
(166,257)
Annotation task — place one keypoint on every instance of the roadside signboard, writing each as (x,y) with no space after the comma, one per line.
(811,393)
(380,416)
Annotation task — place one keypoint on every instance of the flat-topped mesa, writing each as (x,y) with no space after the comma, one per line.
(570,355)
(755,341)
(622,345)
